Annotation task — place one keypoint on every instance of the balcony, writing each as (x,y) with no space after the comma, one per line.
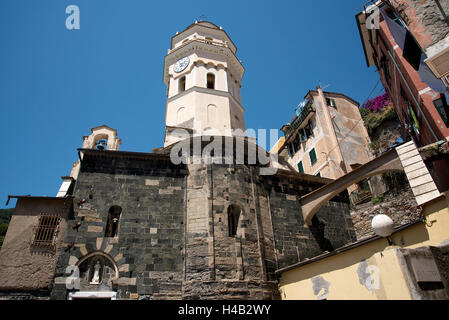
(303,114)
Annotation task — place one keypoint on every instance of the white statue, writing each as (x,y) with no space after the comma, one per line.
(96,276)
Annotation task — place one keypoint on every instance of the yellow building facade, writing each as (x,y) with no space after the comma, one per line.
(372,269)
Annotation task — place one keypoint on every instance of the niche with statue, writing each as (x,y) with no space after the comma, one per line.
(97,273)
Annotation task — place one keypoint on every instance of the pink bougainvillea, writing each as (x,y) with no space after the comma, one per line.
(377,103)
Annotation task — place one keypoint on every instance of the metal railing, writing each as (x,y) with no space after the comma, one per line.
(297,120)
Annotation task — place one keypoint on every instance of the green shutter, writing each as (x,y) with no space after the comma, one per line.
(300,167)
(312,155)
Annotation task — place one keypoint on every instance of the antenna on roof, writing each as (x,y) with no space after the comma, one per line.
(328,85)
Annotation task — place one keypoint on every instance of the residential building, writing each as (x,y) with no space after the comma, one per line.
(408,42)
(326,137)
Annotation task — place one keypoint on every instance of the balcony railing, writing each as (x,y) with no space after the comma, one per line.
(299,118)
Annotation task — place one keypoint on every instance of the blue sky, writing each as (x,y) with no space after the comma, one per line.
(56,84)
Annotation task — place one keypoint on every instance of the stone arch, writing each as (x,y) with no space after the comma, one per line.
(108,271)
(313,201)
(102,254)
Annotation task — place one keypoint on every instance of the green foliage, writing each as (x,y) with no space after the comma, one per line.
(373,145)
(3,228)
(380,198)
(5,215)
(374,119)
(364,112)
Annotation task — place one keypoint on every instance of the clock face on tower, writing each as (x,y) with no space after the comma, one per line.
(181,64)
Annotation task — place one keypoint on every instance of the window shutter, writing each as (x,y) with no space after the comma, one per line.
(312,155)
(300,167)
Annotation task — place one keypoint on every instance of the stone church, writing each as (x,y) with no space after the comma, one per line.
(132,225)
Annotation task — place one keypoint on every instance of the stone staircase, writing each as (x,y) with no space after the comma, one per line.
(421,182)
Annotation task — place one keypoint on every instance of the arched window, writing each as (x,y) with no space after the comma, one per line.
(233,219)
(113,221)
(210,81)
(211,115)
(182,85)
(180,115)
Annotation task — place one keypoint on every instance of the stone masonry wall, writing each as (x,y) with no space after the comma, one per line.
(424,19)
(220,266)
(332,225)
(400,206)
(173,238)
(148,249)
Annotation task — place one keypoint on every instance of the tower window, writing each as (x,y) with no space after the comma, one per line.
(113,220)
(233,219)
(210,81)
(182,85)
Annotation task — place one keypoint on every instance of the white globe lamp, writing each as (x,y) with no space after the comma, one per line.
(382,225)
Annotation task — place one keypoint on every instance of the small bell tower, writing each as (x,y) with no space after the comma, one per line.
(101,138)
(203,77)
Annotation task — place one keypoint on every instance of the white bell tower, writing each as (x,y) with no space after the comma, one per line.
(203,78)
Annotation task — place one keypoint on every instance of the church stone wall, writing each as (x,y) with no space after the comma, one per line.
(221,266)
(149,246)
(174,237)
(331,229)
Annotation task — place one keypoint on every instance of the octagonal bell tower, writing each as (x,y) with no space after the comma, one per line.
(203,78)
